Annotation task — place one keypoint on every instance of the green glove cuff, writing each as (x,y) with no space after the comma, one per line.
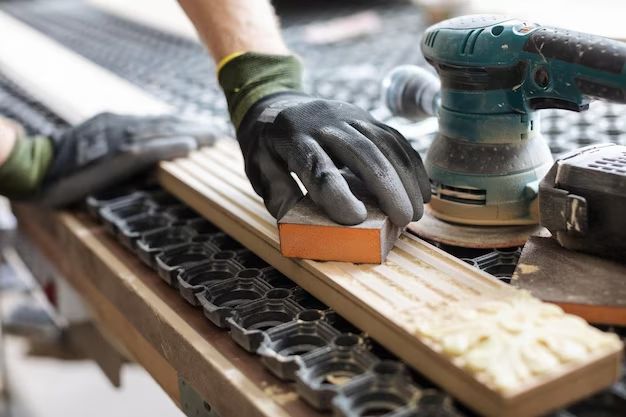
(249,77)
(23,172)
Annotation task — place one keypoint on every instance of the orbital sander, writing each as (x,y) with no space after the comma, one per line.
(489,155)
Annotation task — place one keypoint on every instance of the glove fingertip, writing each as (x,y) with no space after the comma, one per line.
(279,207)
(351,215)
(426,194)
(401,216)
(179,147)
(206,141)
(418,212)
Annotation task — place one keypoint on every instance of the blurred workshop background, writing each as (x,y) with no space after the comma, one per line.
(53,362)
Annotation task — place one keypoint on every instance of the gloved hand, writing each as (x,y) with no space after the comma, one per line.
(282,130)
(96,154)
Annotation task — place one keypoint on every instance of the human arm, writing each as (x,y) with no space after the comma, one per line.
(281,129)
(91,156)
(231,26)
(8,136)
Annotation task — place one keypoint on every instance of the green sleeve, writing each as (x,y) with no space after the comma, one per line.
(249,77)
(23,172)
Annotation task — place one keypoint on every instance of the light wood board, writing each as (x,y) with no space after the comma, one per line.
(497,349)
(165,334)
(455,324)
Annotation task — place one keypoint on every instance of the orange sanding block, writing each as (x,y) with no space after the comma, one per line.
(588,286)
(306,232)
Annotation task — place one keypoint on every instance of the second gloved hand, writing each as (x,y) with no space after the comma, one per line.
(96,154)
(282,130)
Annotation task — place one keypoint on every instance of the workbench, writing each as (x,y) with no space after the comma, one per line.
(185,354)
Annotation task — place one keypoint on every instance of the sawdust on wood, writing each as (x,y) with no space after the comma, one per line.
(527,269)
(280,395)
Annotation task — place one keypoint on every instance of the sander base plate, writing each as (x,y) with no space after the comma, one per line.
(431,228)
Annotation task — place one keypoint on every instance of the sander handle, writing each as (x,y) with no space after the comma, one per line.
(567,68)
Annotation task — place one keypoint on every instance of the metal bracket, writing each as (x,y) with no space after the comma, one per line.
(192,403)
(576,212)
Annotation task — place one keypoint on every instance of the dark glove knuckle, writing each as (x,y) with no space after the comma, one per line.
(324,177)
(367,148)
(327,130)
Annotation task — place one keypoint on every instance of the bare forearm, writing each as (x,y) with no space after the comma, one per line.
(229,26)
(8,136)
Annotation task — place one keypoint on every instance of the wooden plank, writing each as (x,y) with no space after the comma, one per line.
(71,85)
(159,327)
(438,314)
(561,276)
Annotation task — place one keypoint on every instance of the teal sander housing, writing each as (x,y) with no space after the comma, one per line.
(494,73)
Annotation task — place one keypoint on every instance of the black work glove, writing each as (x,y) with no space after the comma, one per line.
(94,155)
(287,131)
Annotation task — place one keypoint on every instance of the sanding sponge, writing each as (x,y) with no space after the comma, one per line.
(306,232)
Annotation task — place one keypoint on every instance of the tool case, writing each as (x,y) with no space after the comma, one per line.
(582,200)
